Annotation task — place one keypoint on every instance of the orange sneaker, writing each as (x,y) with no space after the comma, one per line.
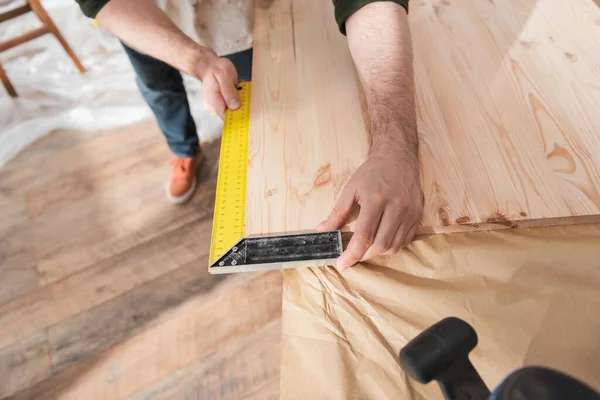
(182,184)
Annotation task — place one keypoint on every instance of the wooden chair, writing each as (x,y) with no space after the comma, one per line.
(47,27)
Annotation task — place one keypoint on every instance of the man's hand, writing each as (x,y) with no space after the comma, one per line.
(219,79)
(388,192)
(386,187)
(146,28)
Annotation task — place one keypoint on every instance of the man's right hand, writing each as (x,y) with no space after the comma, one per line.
(219,81)
(146,28)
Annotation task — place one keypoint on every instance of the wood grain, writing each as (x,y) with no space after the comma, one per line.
(85,182)
(92,257)
(114,321)
(303,147)
(101,283)
(24,364)
(17,265)
(508,122)
(63,153)
(161,350)
(508,115)
(122,225)
(19,276)
(243,369)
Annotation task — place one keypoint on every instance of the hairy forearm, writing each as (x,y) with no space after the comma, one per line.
(144,26)
(379,41)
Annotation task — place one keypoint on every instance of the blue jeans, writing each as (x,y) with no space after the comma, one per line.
(162,88)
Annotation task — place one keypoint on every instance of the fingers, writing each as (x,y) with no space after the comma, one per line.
(364,235)
(386,233)
(409,236)
(220,91)
(213,100)
(402,238)
(228,79)
(341,211)
(227,82)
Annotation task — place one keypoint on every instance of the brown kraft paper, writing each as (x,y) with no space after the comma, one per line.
(532,295)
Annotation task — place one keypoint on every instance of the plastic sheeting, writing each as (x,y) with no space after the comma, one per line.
(54,95)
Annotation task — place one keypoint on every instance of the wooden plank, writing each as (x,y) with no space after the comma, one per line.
(127,214)
(51,304)
(112,322)
(19,276)
(198,328)
(17,265)
(69,188)
(13,211)
(306,128)
(58,141)
(119,272)
(24,364)
(121,225)
(507,117)
(271,391)
(63,152)
(75,191)
(100,264)
(247,368)
(507,108)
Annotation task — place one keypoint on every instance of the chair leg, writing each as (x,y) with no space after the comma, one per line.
(45,18)
(9,87)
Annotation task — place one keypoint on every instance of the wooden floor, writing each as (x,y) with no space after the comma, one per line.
(104,289)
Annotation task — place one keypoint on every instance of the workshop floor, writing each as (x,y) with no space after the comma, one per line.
(105,292)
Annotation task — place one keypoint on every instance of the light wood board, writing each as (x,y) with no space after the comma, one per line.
(307,133)
(508,115)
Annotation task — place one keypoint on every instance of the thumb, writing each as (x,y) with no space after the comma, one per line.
(213,100)
(229,92)
(340,213)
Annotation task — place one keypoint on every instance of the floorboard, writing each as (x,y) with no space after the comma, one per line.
(243,369)
(105,287)
(24,364)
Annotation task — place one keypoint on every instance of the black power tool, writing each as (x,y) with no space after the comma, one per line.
(441,353)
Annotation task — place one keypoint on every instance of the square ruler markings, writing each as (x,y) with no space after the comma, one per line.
(230,251)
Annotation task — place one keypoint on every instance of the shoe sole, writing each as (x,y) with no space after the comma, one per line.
(187,195)
(183,198)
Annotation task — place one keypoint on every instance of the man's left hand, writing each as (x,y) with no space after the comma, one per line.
(388,192)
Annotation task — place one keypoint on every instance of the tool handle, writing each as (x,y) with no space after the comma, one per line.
(441,352)
(462,382)
(434,350)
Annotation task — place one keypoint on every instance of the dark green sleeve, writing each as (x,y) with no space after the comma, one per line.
(345,8)
(91,7)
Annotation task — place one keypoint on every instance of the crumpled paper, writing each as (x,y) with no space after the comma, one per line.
(532,295)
